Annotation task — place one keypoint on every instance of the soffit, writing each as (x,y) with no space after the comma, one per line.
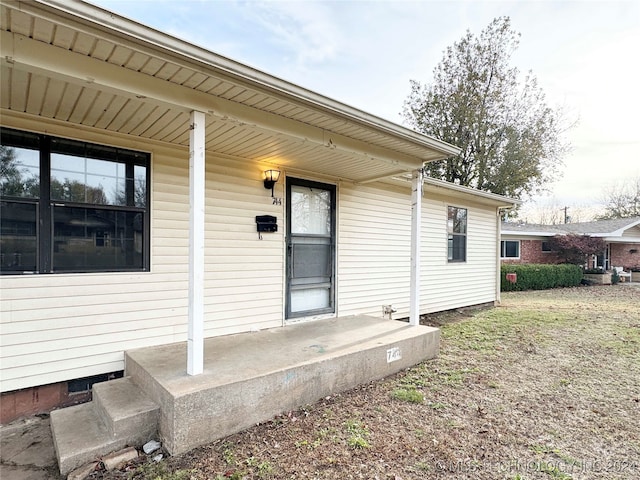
(99,77)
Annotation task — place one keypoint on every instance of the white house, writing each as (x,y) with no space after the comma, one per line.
(112,130)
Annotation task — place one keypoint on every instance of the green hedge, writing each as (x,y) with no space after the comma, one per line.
(540,277)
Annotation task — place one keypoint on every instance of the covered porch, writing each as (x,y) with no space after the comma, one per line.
(248,378)
(211,127)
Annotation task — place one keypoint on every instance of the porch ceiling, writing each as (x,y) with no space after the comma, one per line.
(79,64)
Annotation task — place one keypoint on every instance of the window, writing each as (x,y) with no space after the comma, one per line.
(510,249)
(457,234)
(546,247)
(70,206)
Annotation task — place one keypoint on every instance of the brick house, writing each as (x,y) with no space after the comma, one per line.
(529,243)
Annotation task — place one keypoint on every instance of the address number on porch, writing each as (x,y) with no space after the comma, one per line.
(393,354)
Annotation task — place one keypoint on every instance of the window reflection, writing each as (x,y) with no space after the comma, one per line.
(18,237)
(96,239)
(87,180)
(19,172)
(457,234)
(91,216)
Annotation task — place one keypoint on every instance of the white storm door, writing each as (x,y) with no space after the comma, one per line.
(310,248)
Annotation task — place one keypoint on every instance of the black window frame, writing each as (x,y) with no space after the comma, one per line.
(45,204)
(504,249)
(546,244)
(457,236)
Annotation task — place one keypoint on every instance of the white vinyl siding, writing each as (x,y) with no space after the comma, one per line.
(374,235)
(447,285)
(58,327)
(632,232)
(374,253)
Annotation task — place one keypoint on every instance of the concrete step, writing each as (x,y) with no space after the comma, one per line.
(125,410)
(80,436)
(120,415)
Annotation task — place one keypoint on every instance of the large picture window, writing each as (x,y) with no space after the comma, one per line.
(510,249)
(70,206)
(457,234)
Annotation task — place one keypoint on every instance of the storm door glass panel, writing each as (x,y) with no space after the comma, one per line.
(310,249)
(89,239)
(18,237)
(310,211)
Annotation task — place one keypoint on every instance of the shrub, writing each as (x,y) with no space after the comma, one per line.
(540,277)
(615,277)
(575,248)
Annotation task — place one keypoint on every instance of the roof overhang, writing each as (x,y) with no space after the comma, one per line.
(622,239)
(500,201)
(75,63)
(620,231)
(433,186)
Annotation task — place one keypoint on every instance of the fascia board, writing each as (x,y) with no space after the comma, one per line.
(518,233)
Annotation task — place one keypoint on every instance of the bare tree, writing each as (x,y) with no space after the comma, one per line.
(622,200)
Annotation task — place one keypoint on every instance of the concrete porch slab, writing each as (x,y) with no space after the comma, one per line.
(251,377)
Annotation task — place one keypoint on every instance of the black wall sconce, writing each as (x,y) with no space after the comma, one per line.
(271,177)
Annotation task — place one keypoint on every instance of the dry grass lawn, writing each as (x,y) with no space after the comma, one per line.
(546,386)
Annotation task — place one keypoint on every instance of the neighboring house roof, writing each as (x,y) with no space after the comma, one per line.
(104,71)
(609,229)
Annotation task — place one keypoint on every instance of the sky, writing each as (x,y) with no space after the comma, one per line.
(364,53)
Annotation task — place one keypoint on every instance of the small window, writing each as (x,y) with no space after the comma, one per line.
(546,247)
(457,234)
(510,249)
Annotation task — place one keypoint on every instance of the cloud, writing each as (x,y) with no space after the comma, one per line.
(305,29)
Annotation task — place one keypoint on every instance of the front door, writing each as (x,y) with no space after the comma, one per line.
(310,248)
(603,260)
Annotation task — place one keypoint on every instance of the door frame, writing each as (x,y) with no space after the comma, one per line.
(331,310)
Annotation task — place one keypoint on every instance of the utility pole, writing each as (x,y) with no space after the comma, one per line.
(566,217)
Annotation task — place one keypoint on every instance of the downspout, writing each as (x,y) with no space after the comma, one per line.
(498,252)
(416,216)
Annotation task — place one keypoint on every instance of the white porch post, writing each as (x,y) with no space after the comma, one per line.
(195,339)
(416,216)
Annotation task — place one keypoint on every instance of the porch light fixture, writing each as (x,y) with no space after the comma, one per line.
(271,177)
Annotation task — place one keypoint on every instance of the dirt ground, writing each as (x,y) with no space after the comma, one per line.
(546,386)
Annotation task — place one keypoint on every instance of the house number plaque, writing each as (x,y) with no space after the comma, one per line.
(393,354)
